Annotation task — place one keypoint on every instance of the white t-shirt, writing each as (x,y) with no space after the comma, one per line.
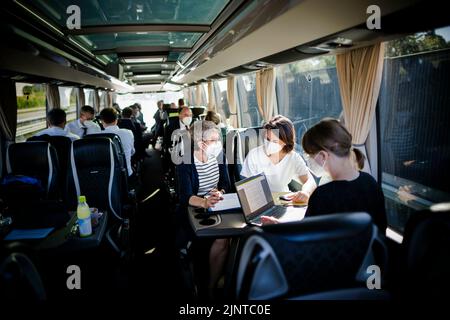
(278,175)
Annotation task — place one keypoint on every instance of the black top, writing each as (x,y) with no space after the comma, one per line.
(362,194)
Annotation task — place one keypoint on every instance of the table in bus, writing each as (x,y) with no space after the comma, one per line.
(65,238)
(232,224)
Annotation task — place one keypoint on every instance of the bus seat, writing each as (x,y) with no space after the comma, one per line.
(98,175)
(62,146)
(96,172)
(117,145)
(34,159)
(426,242)
(318,255)
(240,143)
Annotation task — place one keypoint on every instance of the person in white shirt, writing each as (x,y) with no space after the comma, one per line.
(109,117)
(278,160)
(56,120)
(84,125)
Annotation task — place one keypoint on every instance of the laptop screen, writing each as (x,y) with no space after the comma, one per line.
(254,195)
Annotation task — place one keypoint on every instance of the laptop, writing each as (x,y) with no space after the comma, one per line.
(256,199)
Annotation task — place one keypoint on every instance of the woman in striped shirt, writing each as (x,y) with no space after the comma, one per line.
(202,181)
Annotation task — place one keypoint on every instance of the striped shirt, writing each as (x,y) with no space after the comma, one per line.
(208,175)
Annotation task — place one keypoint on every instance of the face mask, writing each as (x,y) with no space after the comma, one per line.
(187,121)
(88,123)
(272,147)
(213,150)
(317,169)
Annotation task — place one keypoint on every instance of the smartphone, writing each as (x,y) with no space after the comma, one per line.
(284,197)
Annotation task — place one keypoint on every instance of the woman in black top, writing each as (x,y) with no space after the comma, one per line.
(329,150)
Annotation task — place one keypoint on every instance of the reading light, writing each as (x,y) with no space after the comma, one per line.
(144,60)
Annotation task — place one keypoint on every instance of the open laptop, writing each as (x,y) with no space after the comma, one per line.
(256,199)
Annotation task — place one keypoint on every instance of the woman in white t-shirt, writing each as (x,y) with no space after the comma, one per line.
(278,160)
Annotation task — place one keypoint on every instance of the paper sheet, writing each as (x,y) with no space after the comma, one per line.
(17,234)
(230,201)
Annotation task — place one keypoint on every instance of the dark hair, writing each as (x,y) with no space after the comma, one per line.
(56,117)
(108,115)
(330,135)
(133,106)
(180,102)
(127,112)
(213,116)
(285,129)
(87,109)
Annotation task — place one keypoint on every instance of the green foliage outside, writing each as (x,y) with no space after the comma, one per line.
(419,42)
(33,97)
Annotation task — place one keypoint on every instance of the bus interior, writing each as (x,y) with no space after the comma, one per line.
(382,68)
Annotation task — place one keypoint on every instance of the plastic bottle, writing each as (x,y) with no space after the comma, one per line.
(84,217)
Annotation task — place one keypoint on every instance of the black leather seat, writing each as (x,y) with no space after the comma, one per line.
(98,175)
(34,159)
(97,171)
(320,257)
(62,146)
(118,147)
(427,255)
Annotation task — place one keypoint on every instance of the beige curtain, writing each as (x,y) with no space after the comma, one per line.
(198,95)
(265,92)
(96,105)
(109,99)
(211,98)
(81,98)
(53,99)
(359,72)
(231,96)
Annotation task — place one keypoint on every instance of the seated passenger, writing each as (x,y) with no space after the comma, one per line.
(217,119)
(109,119)
(278,160)
(183,123)
(56,120)
(202,181)
(85,124)
(329,147)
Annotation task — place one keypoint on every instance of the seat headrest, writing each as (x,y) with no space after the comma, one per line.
(93,152)
(30,158)
(320,228)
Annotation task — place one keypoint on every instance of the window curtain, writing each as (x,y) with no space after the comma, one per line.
(8,109)
(231,96)
(53,99)
(265,92)
(96,101)
(211,97)
(359,73)
(81,97)
(199,95)
(109,99)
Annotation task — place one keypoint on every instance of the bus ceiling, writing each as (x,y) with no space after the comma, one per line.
(158,45)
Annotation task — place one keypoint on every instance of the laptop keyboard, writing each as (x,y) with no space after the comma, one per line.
(276,212)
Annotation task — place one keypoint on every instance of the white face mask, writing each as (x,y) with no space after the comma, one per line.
(213,150)
(187,121)
(272,147)
(317,169)
(88,123)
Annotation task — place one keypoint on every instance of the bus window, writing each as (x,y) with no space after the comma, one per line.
(89,97)
(31,110)
(414,116)
(68,97)
(308,91)
(248,105)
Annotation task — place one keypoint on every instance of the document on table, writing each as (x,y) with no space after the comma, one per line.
(230,201)
(18,234)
